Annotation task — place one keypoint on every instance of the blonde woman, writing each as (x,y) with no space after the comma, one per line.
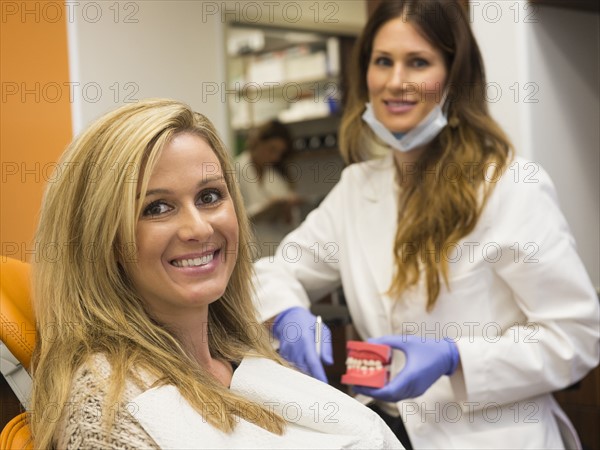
(147,334)
(449,248)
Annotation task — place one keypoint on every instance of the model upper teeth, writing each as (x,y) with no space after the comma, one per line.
(363,364)
(194,262)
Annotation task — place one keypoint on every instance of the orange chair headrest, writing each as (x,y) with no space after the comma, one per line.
(16,434)
(17,323)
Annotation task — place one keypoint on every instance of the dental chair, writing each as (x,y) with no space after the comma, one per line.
(17,333)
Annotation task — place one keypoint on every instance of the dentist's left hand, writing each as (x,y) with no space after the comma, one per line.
(426,361)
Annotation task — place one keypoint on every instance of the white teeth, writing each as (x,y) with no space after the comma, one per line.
(195,262)
(363,364)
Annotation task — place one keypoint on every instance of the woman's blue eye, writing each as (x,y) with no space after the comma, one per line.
(155,209)
(419,62)
(210,196)
(382,61)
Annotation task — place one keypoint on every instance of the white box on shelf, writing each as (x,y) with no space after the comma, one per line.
(240,113)
(333,56)
(305,109)
(267,108)
(267,69)
(312,66)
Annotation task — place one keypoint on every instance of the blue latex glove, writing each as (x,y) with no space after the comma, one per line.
(296,331)
(426,361)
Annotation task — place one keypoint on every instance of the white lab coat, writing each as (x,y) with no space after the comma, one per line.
(521,307)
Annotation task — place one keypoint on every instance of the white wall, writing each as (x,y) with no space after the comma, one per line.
(552,115)
(501,40)
(564,49)
(146,49)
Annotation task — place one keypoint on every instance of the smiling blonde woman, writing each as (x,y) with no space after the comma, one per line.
(159,345)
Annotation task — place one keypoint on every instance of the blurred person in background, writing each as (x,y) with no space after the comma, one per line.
(268,193)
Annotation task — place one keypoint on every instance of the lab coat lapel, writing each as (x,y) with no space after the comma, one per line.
(376,225)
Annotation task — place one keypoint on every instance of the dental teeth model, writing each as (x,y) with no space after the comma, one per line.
(367,364)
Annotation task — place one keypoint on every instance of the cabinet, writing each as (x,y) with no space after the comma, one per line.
(289,75)
(582,404)
(281,74)
(296,77)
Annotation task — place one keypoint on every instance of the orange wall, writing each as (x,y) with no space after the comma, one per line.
(35,114)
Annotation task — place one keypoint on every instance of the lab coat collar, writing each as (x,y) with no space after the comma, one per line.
(379,178)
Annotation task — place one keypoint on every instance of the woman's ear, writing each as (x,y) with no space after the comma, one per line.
(125,254)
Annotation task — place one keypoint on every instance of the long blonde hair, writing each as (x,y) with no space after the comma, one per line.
(437,209)
(86,229)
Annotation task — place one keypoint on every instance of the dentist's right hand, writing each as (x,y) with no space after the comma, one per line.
(295,328)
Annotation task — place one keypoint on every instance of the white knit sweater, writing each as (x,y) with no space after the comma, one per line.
(81,425)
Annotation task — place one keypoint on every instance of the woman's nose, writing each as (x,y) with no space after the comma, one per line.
(397,78)
(194,225)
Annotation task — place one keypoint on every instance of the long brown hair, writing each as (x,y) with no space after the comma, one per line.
(436,209)
(89,213)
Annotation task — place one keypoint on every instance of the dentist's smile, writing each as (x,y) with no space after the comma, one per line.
(399,106)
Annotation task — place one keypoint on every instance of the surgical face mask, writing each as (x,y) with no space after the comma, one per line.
(422,134)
